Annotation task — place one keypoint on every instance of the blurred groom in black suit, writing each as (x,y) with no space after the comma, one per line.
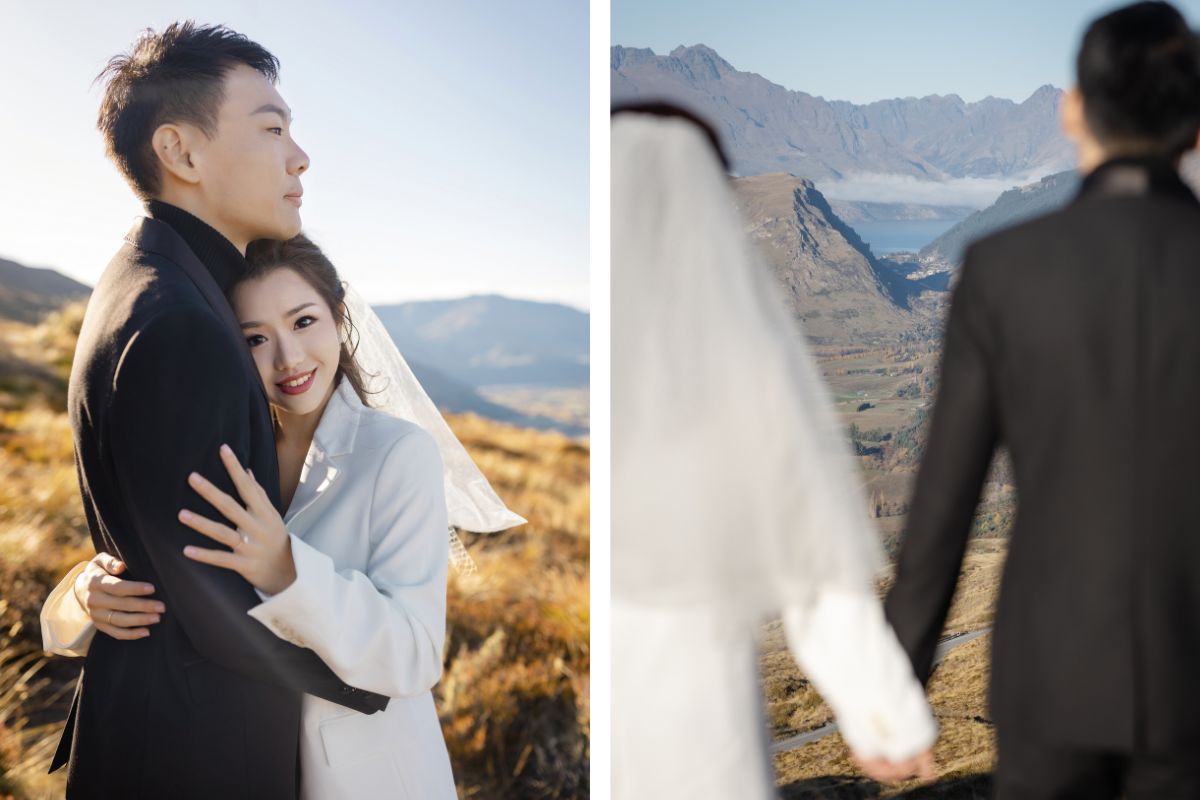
(1074,340)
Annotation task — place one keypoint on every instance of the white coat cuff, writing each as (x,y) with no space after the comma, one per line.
(282,613)
(845,646)
(67,630)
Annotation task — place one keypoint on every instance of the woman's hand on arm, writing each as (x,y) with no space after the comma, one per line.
(260,548)
(117,607)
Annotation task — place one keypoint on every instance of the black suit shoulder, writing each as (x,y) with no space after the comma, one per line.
(1086,226)
(180,338)
(148,283)
(1022,246)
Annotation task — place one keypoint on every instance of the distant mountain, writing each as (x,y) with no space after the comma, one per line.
(28,294)
(456,397)
(768,128)
(1019,204)
(828,276)
(1013,206)
(491,340)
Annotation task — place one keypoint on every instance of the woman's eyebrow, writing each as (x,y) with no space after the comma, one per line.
(300,307)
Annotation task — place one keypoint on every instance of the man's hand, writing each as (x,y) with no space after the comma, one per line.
(878,769)
(115,605)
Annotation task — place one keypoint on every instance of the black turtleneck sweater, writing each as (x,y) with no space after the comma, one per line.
(218,255)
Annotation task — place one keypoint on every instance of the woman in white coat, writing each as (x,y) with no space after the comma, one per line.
(734,497)
(356,569)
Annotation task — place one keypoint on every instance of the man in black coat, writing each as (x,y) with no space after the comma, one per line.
(1074,339)
(208,705)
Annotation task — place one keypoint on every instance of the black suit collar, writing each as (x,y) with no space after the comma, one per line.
(1136,176)
(218,255)
(156,236)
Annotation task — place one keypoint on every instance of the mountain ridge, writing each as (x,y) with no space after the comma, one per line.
(767,127)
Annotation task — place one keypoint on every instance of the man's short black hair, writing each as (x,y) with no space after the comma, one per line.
(177,75)
(1139,74)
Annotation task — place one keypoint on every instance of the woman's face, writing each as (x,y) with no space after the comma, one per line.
(293,338)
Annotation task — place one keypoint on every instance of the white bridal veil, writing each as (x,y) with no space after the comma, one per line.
(470,499)
(731,481)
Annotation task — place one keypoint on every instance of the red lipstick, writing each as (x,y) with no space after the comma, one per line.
(300,388)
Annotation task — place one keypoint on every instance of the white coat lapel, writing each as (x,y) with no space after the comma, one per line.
(332,442)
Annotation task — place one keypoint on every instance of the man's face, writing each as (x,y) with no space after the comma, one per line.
(250,170)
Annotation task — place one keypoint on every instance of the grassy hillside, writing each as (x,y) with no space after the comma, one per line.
(514,696)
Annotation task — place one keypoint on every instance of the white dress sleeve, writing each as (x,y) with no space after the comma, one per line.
(846,648)
(381,630)
(67,630)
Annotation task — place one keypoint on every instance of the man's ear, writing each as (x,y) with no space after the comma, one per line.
(173,146)
(1070,115)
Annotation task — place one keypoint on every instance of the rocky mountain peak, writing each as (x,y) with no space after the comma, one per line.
(703,61)
(826,273)
(621,56)
(1045,96)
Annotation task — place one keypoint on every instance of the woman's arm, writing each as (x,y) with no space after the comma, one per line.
(381,630)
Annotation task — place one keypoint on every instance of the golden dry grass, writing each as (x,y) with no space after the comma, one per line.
(514,696)
(514,699)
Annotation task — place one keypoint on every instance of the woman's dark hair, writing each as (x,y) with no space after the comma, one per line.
(662,109)
(303,256)
(177,75)
(1139,74)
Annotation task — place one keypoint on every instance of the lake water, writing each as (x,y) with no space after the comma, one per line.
(900,235)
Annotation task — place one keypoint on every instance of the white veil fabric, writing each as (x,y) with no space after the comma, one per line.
(732,483)
(392,388)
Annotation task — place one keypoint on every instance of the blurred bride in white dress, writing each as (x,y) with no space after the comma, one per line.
(734,498)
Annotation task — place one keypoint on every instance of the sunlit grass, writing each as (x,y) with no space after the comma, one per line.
(514,698)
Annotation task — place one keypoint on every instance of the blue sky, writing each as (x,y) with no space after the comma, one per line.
(449,141)
(864,50)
